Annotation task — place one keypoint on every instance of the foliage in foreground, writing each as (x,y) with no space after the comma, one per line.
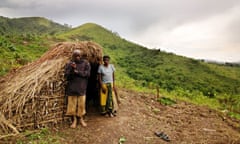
(42,136)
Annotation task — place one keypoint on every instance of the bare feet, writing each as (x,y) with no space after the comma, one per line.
(110,114)
(74,124)
(83,123)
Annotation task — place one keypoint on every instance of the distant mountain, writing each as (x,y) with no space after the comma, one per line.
(137,66)
(156,67)
(33,25)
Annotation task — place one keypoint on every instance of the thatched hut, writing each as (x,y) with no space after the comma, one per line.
(33,95)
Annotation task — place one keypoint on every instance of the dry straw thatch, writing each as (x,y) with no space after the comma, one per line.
(33,95)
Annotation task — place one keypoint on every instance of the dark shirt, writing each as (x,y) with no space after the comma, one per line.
(77,78)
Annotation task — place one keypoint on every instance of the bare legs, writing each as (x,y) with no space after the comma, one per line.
(76,109)
(74,123)
(83,123)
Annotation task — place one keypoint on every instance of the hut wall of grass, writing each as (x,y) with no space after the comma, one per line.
(33,95)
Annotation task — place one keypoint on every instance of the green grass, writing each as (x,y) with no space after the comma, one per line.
(138,68)
(166,101)
(42,136)
(18,50)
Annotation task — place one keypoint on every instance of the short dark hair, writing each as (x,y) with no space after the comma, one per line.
(106,56)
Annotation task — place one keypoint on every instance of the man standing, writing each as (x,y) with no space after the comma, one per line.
(77,72)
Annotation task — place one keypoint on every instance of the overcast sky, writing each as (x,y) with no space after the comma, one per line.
(201,29)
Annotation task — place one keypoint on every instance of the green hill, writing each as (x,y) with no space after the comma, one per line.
(166,70)
(137,67)
(29,25)
(25,39)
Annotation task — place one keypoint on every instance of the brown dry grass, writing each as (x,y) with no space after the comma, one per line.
(23,85)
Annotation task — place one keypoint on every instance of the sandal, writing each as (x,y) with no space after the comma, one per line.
(110,114)
(162,136)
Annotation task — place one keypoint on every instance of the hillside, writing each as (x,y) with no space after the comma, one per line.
(166,70)
(24,39)
(29,25)
(138,68)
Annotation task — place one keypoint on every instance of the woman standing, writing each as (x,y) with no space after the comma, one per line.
(108,99)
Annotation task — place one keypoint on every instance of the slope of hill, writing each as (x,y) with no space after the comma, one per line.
(30,25)
(166,70)
(137,66)
(141,68)
(25,39)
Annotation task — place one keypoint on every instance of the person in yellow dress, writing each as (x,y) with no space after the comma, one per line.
(108,95)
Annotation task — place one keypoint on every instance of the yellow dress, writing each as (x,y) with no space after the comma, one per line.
(108,99)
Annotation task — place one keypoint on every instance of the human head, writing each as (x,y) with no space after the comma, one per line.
(106,59)
(76,51)
(76,55)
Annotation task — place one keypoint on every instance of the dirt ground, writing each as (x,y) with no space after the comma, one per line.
(140,116)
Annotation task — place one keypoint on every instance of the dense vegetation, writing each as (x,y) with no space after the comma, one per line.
(30,25)
(166,70)
(138,67)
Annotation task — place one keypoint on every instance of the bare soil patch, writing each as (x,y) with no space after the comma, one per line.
(140,116)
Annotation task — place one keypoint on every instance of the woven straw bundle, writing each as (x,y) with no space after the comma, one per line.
(33,95)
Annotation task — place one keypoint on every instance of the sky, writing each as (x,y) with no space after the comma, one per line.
(199,29)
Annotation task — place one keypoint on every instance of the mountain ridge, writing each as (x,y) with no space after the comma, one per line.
(33,25)
(137,66)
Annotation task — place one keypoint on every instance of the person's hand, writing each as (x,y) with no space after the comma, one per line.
(116,94)
(74,65)
(76,71)
(114,87)
(104,89)
(118,101)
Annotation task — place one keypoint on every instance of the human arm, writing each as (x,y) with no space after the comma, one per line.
(101,83)
(84,70)
(115,89)
(100,80)
(113,76)
(68,71)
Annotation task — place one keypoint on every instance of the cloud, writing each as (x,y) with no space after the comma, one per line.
(184,27)
(216,37)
